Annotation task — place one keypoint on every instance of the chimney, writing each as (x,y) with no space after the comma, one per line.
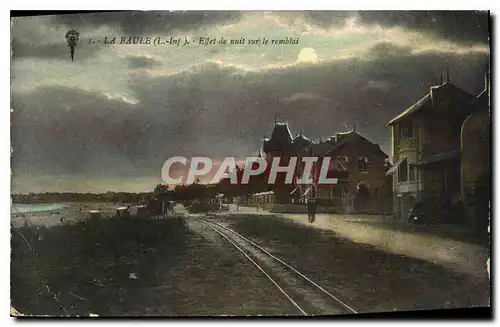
(447,74)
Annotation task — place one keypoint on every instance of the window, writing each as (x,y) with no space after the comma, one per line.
(407,130)
(363,189)
(342,163)
(412,173)
(412,201)
(403,172)
(363,164)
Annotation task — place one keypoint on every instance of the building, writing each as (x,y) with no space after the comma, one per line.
(280,144)
(366,164)
(358,164)
(364,161)
(426,145)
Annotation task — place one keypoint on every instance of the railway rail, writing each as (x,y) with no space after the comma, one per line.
(305,295)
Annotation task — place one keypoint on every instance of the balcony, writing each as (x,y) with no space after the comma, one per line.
(405,187)
(408,144)
(440,145)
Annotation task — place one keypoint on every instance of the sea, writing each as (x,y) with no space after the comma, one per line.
(39,207)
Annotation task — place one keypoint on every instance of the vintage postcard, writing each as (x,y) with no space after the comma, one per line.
(250,163)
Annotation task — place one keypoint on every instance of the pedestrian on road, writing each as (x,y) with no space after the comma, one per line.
(311,209)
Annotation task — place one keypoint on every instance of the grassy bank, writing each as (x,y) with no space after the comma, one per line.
(91,266)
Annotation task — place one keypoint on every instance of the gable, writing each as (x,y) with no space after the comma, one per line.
(358,144)
(439,97)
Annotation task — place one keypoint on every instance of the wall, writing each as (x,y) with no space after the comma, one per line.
(359,147)
(476,166)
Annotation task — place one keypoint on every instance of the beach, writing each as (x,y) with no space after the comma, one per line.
(53,214)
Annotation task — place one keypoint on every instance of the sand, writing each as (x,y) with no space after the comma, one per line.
(71,212)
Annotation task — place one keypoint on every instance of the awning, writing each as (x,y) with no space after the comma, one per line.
(395,166)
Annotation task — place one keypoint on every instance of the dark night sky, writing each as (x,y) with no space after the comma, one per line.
(108,120)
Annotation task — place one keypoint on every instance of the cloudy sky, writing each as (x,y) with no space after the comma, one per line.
(109,120)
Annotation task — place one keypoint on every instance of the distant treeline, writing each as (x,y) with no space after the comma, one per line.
(81,197)
(163,192)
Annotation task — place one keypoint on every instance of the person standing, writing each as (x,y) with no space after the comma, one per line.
(311,209)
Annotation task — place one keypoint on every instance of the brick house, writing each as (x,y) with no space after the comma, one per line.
(364,161)
(358,164)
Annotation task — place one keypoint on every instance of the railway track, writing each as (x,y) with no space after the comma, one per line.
(305,295)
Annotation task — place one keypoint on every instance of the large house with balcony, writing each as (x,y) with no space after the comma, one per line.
(426,147)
